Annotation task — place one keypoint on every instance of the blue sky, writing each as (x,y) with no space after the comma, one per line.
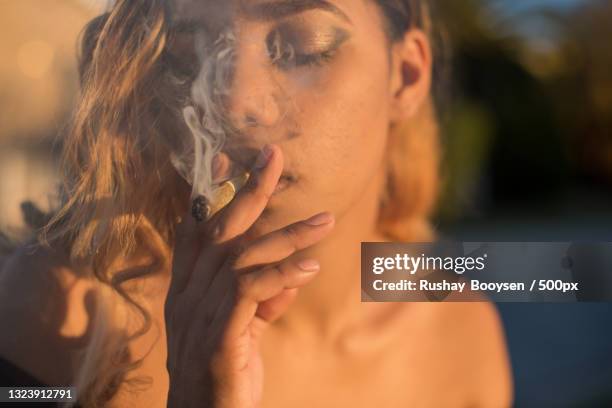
(525,5)
(534,28)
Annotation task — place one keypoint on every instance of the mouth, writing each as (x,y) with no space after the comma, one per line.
(285,181)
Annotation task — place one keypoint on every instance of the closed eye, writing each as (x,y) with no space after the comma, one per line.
(291,46)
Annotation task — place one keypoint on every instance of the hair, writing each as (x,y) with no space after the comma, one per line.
(414,145)
(119,196)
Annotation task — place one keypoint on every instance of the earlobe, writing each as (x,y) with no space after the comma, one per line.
(411,66)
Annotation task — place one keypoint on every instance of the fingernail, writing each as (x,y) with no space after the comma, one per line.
(264,157)
(309,265)
(320,219)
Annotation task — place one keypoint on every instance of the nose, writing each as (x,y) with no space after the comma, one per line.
(253,98)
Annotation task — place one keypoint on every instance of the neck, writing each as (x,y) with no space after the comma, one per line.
(332,301)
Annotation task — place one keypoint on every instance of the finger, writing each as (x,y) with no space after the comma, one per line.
(208,266)
(279,244)
(267,312)
(250,201)
(264,284)
(215,321)
(184,254)
(214,276)
(187,241)
(270,248)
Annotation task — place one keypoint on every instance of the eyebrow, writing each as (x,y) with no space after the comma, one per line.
(275,10)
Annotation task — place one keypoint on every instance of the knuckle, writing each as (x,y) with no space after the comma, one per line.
(238,254)
(286,275)
(284,270)
(257,190)
(292,235)
(239,258)
(225,231)
(249,189)
(245,284)
(251,185)
(239,250)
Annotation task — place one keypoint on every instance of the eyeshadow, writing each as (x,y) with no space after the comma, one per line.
(312,39)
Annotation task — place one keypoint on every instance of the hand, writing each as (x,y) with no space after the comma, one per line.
(225,290)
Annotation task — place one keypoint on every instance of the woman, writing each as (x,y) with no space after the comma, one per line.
(142,305)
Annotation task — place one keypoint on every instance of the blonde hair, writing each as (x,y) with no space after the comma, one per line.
(412,178)
(121,193)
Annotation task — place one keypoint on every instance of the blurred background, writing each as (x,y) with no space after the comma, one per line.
(527,119)
(527,116)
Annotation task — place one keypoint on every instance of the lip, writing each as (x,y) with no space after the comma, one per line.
(285,181)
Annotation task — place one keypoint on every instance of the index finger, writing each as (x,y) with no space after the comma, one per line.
(184,253)
(251,200)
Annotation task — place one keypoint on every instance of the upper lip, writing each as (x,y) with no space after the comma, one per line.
(287,173)
(238,157)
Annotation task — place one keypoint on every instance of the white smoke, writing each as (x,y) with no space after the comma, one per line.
(204,116)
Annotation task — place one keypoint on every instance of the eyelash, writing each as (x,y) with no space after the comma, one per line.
(288,58)
(315,60)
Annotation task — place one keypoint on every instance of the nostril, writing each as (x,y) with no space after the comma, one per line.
(250,121)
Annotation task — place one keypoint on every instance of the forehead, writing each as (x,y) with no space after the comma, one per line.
(186,12)
(222,11)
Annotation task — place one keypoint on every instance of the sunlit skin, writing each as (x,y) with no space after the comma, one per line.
(331,123)
(313,343)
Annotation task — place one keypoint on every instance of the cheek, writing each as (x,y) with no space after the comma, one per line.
(344,118)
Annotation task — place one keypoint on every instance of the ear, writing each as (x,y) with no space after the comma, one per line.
(411,72)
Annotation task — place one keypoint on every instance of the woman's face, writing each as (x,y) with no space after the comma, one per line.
(313,77)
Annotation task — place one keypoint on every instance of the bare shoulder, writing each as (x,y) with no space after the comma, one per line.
(478,329)
(42,301)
